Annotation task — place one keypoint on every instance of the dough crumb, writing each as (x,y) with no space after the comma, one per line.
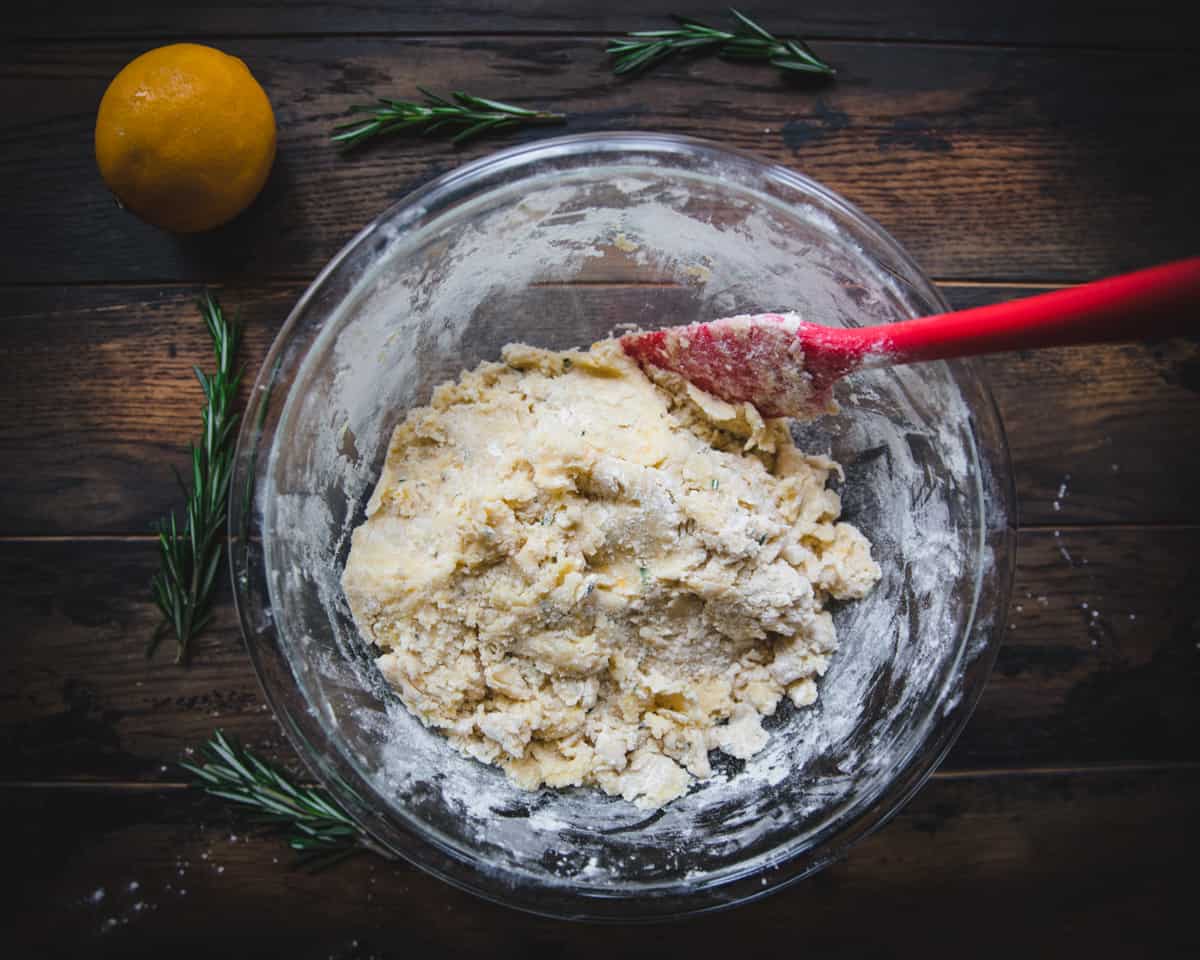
(590,576)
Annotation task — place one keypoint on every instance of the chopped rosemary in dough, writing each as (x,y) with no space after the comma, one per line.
(591,576)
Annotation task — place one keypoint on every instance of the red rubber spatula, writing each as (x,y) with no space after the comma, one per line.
(787,368)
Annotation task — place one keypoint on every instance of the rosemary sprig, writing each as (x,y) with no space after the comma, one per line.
(475,115)
(749,41)
(189,557)
(319,830)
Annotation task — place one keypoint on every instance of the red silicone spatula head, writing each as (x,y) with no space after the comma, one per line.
(783,366)
(786,367)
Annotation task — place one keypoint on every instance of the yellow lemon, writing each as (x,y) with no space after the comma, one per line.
(185,137)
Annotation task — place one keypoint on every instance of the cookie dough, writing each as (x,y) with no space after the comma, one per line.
(587,574)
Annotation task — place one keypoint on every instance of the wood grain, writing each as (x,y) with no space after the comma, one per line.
(987,163)
(82,700)
(1102,650)
(1154,24)
(1060,865)
(1102,644)
(1026,143)
(102,404)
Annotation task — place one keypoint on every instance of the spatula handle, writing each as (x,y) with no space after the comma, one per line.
(1148,304)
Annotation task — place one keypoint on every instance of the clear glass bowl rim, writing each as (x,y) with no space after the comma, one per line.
(310,739)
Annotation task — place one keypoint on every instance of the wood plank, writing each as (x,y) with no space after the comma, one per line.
(1102,651)
(107,373)
(986,162)
(103,403)
(80,696)
(1101,647)
(1070,22)
(1075,865)
(1097,434)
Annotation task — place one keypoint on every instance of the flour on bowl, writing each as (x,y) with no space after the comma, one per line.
(534,263)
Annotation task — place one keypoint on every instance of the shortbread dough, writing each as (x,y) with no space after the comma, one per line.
(591,575)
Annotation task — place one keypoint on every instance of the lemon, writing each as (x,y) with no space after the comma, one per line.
(185,137)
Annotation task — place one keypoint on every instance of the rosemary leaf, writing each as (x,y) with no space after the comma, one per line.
(315,825)
(748,41)
(468,114)
(190,558)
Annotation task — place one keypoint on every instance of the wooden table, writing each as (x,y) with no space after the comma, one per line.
(1011,147)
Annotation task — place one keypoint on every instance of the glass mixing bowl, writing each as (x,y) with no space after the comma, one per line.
(558,244)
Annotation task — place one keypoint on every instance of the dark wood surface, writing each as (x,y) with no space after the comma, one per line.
(988,162)
(1011,148)
(1149,24)
(976,862)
